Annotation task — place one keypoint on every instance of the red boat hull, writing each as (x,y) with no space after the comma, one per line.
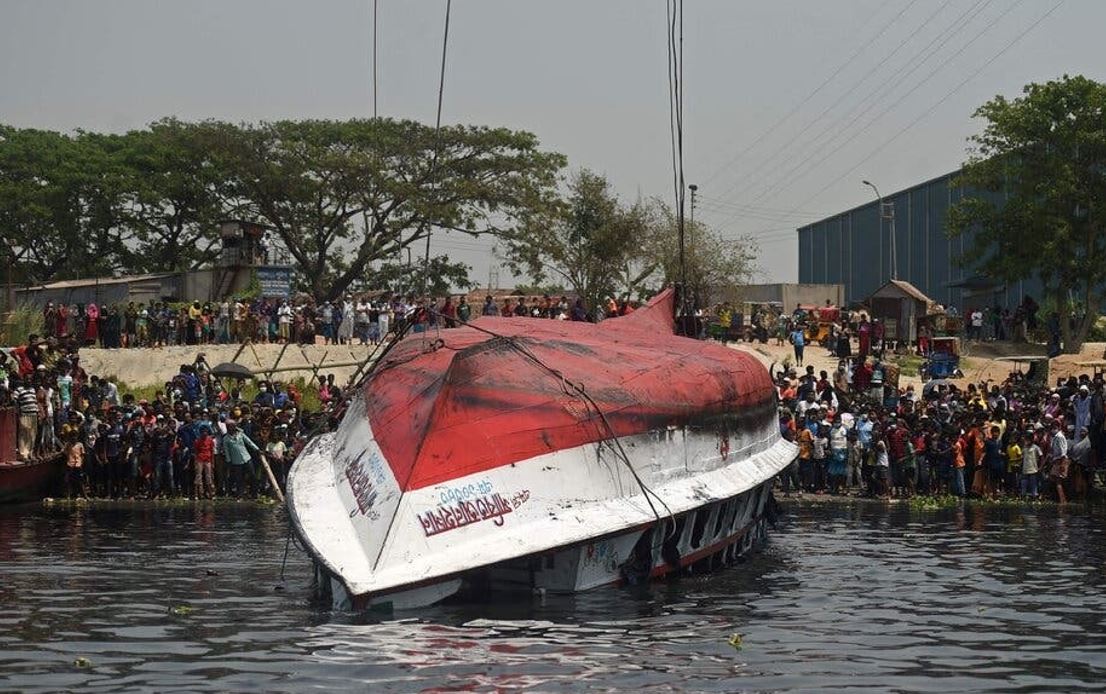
(21,481)
(27,481)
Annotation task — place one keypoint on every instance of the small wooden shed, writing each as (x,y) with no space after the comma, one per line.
(899,305)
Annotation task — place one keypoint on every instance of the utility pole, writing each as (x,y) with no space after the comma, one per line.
(693,188)
(886,211)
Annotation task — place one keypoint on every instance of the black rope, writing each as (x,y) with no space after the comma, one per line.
(578,390)
(674,25)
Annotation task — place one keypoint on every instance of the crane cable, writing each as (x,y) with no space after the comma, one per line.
(437,141)
(674,19)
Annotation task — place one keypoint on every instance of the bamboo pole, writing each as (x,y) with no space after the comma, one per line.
(234,359)
(307,367)
(272,478)
(314,366)
(272,369)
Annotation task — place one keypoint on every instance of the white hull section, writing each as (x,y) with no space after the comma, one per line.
(582,509)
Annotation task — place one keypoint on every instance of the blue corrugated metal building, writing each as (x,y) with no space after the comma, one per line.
(853,248)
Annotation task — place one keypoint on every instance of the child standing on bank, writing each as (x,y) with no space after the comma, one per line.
(820,446)
(1031,470)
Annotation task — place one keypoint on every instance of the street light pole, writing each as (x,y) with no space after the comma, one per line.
(886,211)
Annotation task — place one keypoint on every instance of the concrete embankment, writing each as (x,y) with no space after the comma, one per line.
(155,366)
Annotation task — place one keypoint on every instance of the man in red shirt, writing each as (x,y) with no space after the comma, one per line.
(862,377)
(204,456)
(897,436)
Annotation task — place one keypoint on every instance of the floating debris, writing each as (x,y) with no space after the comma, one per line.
(181,610)
(212,572)
(82,662)
(735,641)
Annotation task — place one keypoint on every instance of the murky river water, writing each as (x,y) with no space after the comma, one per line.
(848,598)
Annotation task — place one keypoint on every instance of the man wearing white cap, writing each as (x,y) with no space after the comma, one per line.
(1081,402)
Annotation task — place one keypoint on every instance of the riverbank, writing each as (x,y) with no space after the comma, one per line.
(1096,499)
(121,504)
(980,361)
(153,366)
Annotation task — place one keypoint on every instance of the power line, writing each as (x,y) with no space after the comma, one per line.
(758,208)
(934,106)
(781,181)
(805,166)
(723,206)
(726,213)
(944,98)
(879,65)
(795,109)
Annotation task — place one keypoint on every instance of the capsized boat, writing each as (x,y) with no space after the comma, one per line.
(539,455)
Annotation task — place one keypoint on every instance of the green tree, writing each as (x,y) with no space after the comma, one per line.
(586,242)
(342,194)
(715,265)
(172,193)
(57,212)
(440,277)
(1045,153)
(553,289)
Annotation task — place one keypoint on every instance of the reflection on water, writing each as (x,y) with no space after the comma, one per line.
(842,597)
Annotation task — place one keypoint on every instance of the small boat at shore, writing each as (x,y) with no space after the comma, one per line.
(22,480)
(519,454)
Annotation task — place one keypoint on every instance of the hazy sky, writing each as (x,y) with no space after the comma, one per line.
(789,103)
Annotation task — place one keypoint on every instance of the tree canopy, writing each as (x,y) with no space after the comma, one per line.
(585,242)
(715,265)
(1043,156)
(439,277)
(342,197)
(342,194)
(56,211)
(171,193)
(603,248)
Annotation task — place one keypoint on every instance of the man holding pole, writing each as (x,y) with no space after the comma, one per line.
(237,448)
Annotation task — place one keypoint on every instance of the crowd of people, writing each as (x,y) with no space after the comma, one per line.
(363,319)
(198,437)
(162,324)
(859,433)
(839,328)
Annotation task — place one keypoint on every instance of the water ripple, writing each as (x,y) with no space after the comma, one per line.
(842,598)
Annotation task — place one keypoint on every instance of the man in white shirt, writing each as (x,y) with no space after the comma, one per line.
(977,324)
(1058,460)
(111,393)
(284,321)
(361,326)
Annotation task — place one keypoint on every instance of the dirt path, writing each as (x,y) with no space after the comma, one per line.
(980,362)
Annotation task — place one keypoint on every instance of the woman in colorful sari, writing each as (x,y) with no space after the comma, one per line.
(92,326)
